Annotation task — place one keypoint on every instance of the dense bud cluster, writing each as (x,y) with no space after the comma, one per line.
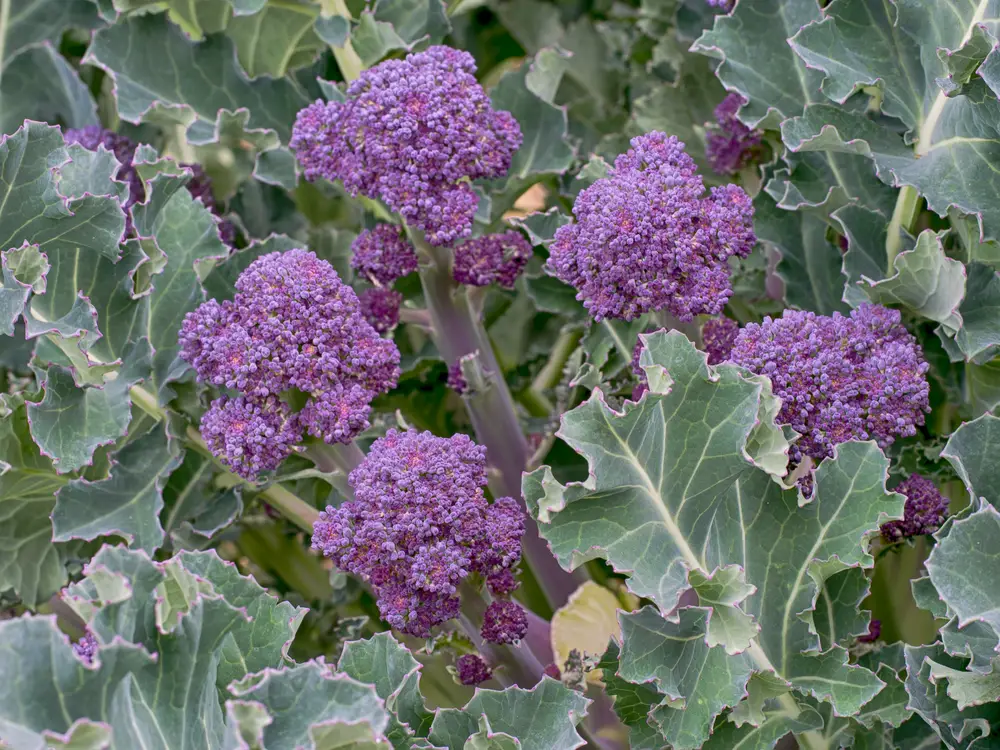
(718,336)
(293,325)
(413,133)
(420,524)
(456,380)
(839,378)
(923,513)
(492,259)
(731,145)
(380,306)
(383,254)
(472,670)
(86,648)
(647,238)
(504,622)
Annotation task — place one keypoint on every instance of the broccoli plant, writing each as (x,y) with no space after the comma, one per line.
(495,374)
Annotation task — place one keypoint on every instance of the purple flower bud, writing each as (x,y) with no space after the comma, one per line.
(250,435)
(504,622)
(456,380)
(839,378)
(419,525)
(493,259)
(472,670)
(86,648)
(412,133)
(380,306)
(383,254)
(874,631)
(924,511)
(718,336)
(731,145)
(647,237)
(293,324)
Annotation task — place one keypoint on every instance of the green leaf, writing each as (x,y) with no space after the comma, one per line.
(487,739)
(757,61)
(722,591)
(185,232)
(979,336)
(30,23)
(608,346)
(145,55)
(698,681)
(809,265)
(30,563)
(541,227)
(382,662)
(633,703)
(839,617)
(307,694)
(36,211)
(926,282)
(967,688)
(890,705)
(684,481)
(277,39)
(13,294)
(373,39)
(971,544)
(70,423)
(866,232)
(39,84)
(83,735)
(127,503)
(971,449)
(415,19)
(857,44)
(195,18)
(542,718)
(776,723)
(543,126)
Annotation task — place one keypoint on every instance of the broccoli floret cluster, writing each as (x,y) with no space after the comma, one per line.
(86,648)
(839,378)
(456,380)
(383,254)
(380,306)
(923,513)
(419,525)
(718,336)
(293,325)
(504,622)
(412,132)
(647,238)
(492,259)
(472,670)
(730,145)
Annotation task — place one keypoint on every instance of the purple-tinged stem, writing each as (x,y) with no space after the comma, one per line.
(520,666)
(458,331)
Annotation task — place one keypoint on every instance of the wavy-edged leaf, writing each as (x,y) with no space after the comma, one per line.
(926,282)
(757,61)
(979,336)
(838,617)
(127,503)
(146,56)
(39,84)
(698,681)
(35,21)
(633,702)
(278,38)
(972,450)
(30,563)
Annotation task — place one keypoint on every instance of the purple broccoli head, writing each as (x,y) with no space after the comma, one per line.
(413,133)
(924,511)
(647,238)
(493,259)
(472,670)
(419,525)
(504,622)
(383,254)
(718,336)
(731,145)
(380,306)
(250,435)
(839,378)
(86,648)
(292,325)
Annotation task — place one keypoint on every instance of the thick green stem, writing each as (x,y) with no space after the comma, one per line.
(904,217)
(458,332)
(550,375)
(341,457)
